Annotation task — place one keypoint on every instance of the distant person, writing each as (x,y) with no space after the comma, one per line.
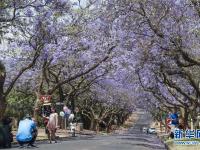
(67,111)
(52,125)
(168,122)
(27,132)
(174,118)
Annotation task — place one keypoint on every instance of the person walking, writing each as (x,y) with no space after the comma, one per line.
(27,132)
(52,125)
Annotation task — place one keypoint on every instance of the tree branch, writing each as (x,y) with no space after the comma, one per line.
(82,73)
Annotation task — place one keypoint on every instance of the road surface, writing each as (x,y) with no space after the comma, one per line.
(133,139)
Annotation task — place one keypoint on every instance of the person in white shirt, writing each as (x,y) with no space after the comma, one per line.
(52,125)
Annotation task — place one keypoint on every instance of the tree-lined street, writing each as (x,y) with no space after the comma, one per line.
(98,61)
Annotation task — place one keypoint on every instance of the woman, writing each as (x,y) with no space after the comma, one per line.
(52,125)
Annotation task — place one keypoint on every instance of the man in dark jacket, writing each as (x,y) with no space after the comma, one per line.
(6,136)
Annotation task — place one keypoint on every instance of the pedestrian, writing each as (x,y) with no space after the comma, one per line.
(6,136)
(168,122)
(174,118)
(67,111)
(52,125)
(27,132)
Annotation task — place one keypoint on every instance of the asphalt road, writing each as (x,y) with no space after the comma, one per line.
(133,139)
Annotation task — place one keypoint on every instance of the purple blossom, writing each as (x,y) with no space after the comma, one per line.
(29,13)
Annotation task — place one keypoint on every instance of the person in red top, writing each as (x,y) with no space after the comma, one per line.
(168,122)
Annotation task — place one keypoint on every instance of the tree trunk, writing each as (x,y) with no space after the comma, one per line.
(97,125)
(3,105)
(71,99)
(182,112)
(36,107)
(61,94)
(92,124)
(73,104)
(109,124)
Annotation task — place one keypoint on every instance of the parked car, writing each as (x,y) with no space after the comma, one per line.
(152,130)
(144,129)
